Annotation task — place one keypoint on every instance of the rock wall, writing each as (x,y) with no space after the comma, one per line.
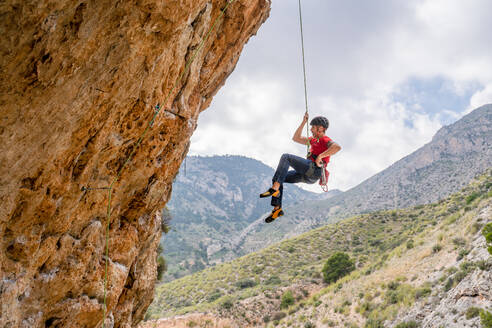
(78,83)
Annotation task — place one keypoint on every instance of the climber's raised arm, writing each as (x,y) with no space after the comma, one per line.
(298,134)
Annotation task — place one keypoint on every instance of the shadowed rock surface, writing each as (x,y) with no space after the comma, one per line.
(78,83)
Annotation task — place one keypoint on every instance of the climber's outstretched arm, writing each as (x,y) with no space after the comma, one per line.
(333,148)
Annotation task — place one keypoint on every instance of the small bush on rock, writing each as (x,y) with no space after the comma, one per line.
(487,233)
(287,299)
(486,319)
(472,312)
(409,324)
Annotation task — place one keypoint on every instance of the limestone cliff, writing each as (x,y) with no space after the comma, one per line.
(78,83)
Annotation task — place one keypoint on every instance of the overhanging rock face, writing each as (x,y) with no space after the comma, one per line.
(78,83)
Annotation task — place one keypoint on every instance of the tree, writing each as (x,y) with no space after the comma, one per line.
(337,266)
(161,267)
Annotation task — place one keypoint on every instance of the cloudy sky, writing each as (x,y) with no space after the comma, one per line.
(387,74)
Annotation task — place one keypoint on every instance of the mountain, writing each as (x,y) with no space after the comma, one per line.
(423,266)
(215,203)
(457,153)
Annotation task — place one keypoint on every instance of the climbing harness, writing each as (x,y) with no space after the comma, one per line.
(157,110)
(324,175)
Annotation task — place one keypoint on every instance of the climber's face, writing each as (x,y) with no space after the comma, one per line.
(317,131)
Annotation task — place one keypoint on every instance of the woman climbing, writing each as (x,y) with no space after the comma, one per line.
(304,170)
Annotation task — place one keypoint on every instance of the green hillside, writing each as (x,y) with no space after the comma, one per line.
(371,239)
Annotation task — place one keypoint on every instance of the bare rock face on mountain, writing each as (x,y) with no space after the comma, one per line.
(78,83)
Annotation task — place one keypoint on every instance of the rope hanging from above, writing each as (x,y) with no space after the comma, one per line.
(324,175)
(304,67)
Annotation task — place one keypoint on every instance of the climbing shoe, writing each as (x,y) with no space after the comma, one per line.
(270,192)
(275,214)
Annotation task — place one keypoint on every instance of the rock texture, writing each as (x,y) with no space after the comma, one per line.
(78,83)
(449,308)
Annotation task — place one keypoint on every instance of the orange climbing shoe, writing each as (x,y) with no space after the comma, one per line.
(275,214)
(270,192)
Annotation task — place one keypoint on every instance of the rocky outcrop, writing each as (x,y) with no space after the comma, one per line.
(78,83)
(449,309)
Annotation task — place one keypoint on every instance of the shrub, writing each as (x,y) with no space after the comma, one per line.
(246,283)
(392,297)
(472,312)
(486,319)
(374,323)
(459,241)
(460,275)
(165,220)
(463,252)
(227,303)
(366,307)
(409,324)
(346,303)
(161,267)
(487,233)
(393,285)
(422,292)
(214,296)
(290,249)
(436,248)
(258,269)
(449,284)
(273,280)
(410,244)
(287,299)
(309,324)
(337,266)
(484,265)
(472,197)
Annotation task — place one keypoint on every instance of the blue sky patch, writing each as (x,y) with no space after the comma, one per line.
(435,96)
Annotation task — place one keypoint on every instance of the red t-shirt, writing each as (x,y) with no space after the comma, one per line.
(318,146)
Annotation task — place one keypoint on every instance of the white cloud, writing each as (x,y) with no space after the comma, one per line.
(481,98)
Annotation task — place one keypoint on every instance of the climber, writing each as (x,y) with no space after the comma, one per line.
(305,170)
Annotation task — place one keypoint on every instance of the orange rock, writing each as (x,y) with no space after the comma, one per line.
(78,84)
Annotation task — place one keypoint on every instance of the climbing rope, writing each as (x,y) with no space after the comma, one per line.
(304,68)
(157,110)
(324,177)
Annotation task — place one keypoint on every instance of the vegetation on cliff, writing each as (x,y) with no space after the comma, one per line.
(435,232)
